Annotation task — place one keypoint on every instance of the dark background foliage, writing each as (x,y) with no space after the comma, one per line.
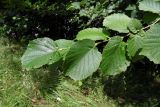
(57,19)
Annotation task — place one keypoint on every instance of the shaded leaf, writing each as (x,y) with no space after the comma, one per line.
(149,17)
(114,59)
(134,45)
(64,46)
(135,25)
(82,60)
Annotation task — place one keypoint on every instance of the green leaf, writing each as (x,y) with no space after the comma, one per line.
(74,6)
(135,25)
(118,22)
(43,51)
(39,52)
(82,60)
(93,34)
(151,44)
(150,5)
(134,45)
(114,59)
(64,46)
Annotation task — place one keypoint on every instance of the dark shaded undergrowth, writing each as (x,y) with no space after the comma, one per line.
(140,85)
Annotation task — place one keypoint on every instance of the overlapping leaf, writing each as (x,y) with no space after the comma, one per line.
(93,34)
(82,60)
(114,59)
(43,51)
(151,44)
(135,25)
(64,46)
(118,22)
(134,45)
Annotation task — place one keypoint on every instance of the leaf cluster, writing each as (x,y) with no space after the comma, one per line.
(80,58)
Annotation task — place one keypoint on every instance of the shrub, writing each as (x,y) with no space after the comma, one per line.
(80,58)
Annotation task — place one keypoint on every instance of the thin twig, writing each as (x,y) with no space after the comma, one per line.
(100,42)
(144,28)
(156,21)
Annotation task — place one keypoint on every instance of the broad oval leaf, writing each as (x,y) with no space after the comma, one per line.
(93,34)
(151,44)
(114,59)
(82,60)
(43,51)
(134,45)
(118,22)
(150,5)
(39,52)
